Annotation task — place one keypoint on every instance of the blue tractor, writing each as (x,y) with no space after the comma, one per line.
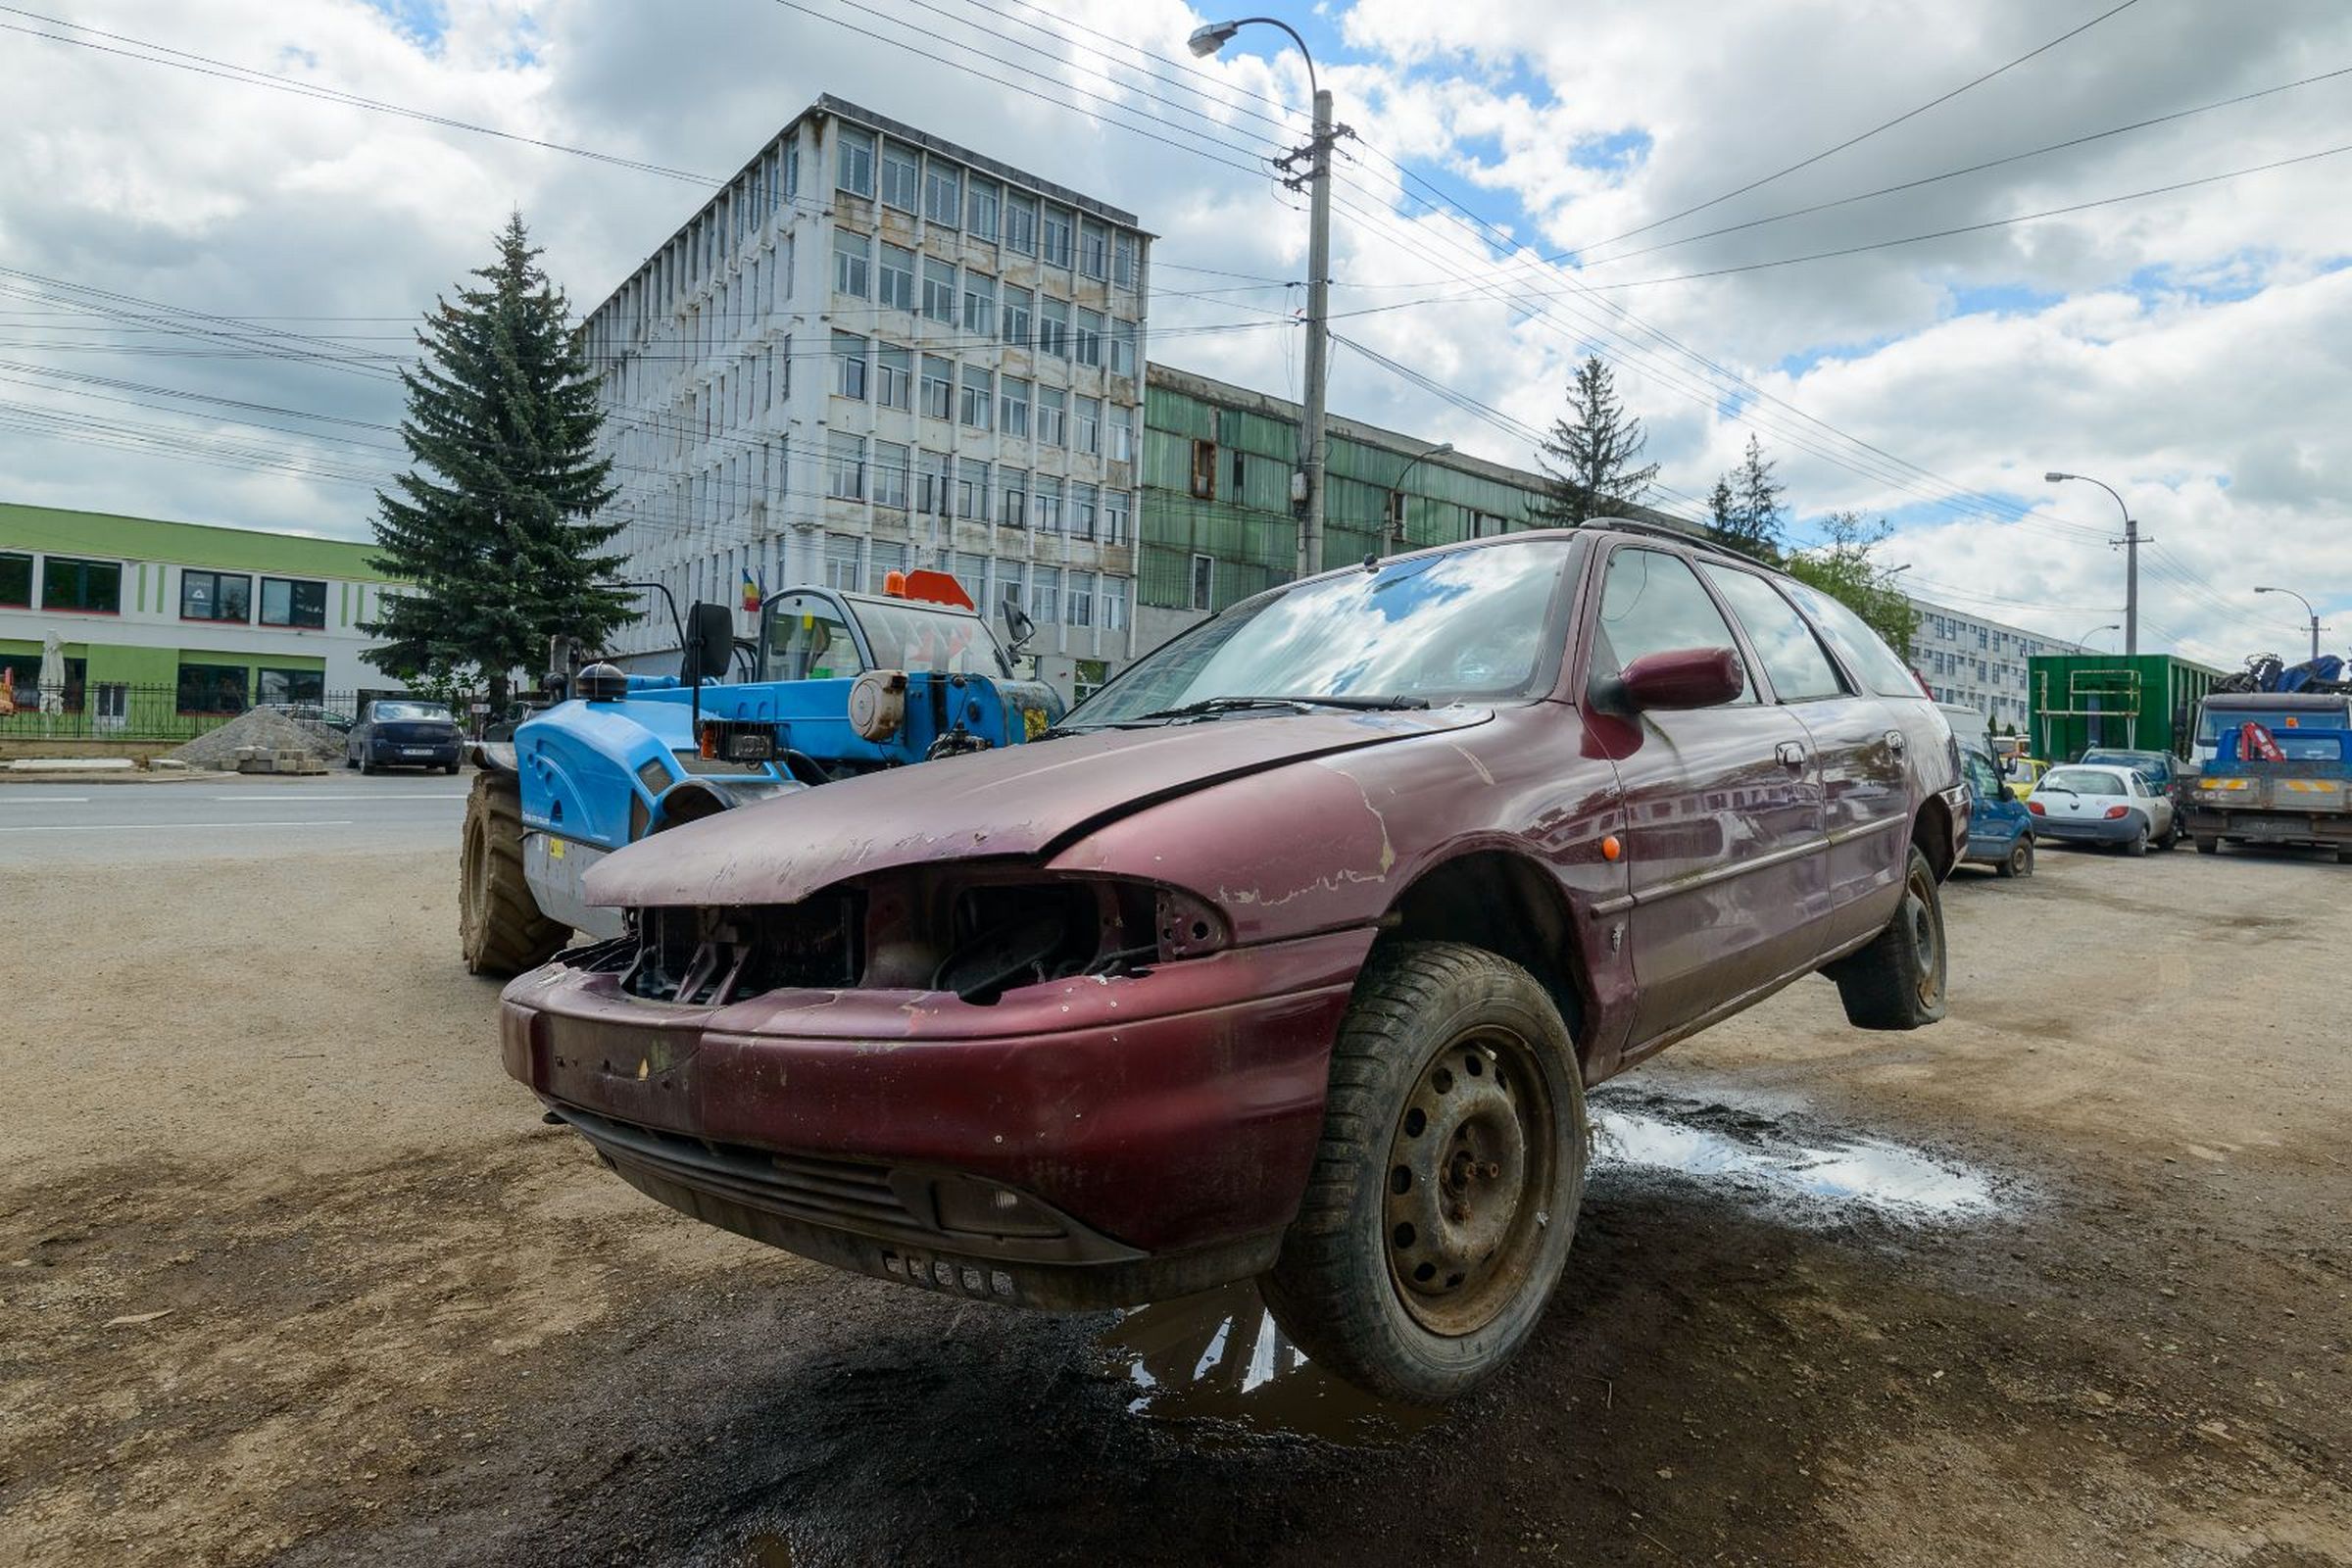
(837,684)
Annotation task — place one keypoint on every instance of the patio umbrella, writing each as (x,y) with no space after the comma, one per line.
(52,672)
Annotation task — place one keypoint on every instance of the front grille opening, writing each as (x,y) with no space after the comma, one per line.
(713,956)
(1003,938)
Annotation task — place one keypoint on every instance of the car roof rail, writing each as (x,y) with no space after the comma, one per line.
(1683,533)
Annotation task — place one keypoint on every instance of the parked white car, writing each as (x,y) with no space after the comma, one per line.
(2097,803)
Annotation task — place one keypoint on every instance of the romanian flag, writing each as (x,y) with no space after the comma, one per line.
(751,593)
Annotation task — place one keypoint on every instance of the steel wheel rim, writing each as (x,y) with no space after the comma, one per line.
(1926,941)
(1471,1161)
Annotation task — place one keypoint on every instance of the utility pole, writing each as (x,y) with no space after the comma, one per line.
(1312,444)
(2131,541)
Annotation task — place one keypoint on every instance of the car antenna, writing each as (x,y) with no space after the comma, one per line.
(1372,561)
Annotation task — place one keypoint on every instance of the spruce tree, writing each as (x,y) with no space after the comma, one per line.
(1750,522)
(1591,453)
(494,530)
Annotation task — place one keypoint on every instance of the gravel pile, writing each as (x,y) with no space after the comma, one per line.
(264,728)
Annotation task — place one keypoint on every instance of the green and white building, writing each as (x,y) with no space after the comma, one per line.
(206,620)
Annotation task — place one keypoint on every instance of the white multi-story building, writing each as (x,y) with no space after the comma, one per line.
(1976,662)
(876,350)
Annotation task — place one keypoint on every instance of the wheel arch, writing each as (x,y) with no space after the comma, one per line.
(1932,832)
(1508,904)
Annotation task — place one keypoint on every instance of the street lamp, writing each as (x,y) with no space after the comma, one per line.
(2307,609)
(1206,42)
(2083,641)
(2130,542)
(1398,489)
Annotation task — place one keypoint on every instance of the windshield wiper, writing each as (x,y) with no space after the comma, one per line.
(1230,705)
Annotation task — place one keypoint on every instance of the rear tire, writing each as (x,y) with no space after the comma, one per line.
(2019,861)
(2208,846)
(1444,1198)
(499,923)
(1897,982)
(2137,842)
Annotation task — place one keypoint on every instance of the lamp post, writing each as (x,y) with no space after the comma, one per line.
(1398,489)
(2083,641)
(1208,41)
(2307,609)
(2131,541)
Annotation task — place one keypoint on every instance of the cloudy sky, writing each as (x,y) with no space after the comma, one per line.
(208,266)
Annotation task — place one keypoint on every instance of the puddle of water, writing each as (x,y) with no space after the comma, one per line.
(765,1550)
(1218,1356)
(1867,1172)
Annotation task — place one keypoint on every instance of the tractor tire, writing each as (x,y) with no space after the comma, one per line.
(2019,861)
(1444,1197)
(499,922)
(1897,982)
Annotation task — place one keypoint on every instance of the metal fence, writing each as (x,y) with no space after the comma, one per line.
(112,711)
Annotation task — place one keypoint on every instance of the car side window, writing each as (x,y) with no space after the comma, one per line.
(1650,602)
(1868,655)
(1800,671)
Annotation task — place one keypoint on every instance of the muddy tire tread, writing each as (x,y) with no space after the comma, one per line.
(1875,983)
(514,935)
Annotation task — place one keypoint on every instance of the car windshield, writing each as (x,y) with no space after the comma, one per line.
(806,639)
(431,711)
(2082,781)
(1467,624)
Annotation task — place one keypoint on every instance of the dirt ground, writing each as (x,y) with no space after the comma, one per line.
(290,1273)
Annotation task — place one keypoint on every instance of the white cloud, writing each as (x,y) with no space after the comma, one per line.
(2189,347)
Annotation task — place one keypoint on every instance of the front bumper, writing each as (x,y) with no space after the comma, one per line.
(1162,1125)
(2090,829)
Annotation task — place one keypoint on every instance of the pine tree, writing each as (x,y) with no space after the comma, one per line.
(1746,507)
(1590,458)
(494,529)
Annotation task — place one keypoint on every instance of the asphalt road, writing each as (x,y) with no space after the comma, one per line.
(61,824)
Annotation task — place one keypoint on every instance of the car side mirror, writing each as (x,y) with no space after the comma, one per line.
(710,643)
(1680,677)
(1017,626)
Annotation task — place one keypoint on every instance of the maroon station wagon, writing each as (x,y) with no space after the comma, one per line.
(1289,955)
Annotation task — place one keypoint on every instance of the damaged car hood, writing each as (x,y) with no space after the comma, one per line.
(1019,800)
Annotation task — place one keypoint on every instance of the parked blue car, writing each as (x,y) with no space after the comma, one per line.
(2000,830)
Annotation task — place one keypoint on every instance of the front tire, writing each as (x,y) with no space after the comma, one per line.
(499,923)
(2019,861)
(1897,982)
(1444,1198)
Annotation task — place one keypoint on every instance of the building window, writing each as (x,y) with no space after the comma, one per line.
(890,480)
(1122,434)
(938,388)
(1053,417)
(856,174)
(898,277)
(849,264)
(939,290)
(1115,604)
(1020,223)
(1204,580)
(1114,518)
(1053,327)
(1082,599)
(931,483)
(1045,497)
(1093,251)
(1485,526)
(1087,438)
(1016,315)
(894,377)
(291,685)
(1045,596)
(16,580)
(942,195)
(849,366)
(1058,237)
(972,406)
(1122,348)
(290,602)
(971,491)
(212,689)
(92,585)
(980,198)
(1205,472)
(901,176)
(1123,254)
(1090,337)
(1013,497)
(215,596)
(845,467)
(1012,404)
(979,306)
(25,669)
(1082,510)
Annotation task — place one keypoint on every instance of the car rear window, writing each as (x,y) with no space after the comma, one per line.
(1863,650)
(1790,653)
(2082,781)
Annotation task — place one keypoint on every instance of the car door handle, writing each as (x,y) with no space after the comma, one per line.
(1791,754)
(1898,742)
